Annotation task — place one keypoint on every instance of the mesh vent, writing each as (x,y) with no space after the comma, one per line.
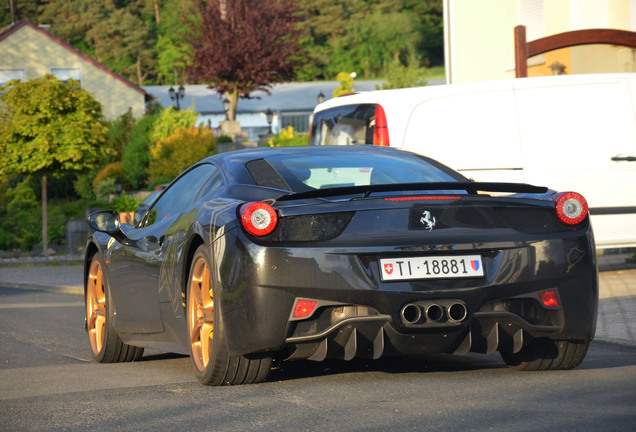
(306,228)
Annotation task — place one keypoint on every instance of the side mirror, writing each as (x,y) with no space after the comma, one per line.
(108,222)
(104,221)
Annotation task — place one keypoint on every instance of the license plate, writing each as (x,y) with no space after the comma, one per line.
(439,267)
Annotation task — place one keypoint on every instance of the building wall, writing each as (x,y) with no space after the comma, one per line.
(29,49)
(480,36)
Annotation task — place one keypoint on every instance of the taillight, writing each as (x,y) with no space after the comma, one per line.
(304,308)
(381,129)
(570,207)
(549,299)
(258,218)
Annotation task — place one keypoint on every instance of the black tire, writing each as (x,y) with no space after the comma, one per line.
(106,346)
(212,363)
(546,354)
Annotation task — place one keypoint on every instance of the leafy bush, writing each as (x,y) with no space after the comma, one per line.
(346,84)
(105,188)
(287,138)
(84,186)
(124,203)
(119,133)
(173,154)
(399,76)
(135,157)
(20,215)
(171,120)
(111,171)
(21,197)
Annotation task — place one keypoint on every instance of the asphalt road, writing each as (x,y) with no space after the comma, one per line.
(48,382)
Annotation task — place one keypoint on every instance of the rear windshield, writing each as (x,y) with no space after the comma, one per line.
(345,125)
(325,171)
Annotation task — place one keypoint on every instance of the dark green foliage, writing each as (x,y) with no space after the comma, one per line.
(21,215)
(119,133)
(22,9)
(136,155)
(148,41)
(367,36)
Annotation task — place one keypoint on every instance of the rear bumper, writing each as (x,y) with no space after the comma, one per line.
(359,315)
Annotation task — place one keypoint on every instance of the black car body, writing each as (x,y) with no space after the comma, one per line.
(365,252)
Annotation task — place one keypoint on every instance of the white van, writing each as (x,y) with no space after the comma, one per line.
(570,132)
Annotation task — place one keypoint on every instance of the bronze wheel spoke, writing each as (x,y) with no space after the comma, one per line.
(96,307)
(200,313)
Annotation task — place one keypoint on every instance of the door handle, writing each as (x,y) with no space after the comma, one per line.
(624,158)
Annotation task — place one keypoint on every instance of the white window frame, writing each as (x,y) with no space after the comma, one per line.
(54,71)
(20,71)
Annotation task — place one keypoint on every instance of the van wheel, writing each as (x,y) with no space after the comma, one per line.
(546,354)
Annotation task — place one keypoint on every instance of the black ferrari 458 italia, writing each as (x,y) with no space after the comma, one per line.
(341,252)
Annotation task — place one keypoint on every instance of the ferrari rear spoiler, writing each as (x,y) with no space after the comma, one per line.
(470,187)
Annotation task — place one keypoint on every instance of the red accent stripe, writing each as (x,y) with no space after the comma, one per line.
(423,198)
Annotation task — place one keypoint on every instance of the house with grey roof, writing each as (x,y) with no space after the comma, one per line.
(29,51)
(291,104)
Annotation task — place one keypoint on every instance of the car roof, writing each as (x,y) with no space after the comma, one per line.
(233,164)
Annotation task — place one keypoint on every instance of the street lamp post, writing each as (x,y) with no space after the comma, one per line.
(321,97)
(118,186)
(269,116)
(175,95)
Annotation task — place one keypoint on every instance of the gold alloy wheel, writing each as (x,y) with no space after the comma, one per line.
(200,314)
(96,307)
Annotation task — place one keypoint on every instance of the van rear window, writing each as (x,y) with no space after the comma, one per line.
(344,125)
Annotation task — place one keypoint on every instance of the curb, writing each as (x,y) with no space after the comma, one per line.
(623,344)
(74,290)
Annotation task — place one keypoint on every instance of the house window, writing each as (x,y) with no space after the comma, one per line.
(7,75)
(532,15)
(66,73)
(300,122)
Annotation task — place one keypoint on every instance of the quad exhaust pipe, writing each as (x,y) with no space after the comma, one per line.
(421,314)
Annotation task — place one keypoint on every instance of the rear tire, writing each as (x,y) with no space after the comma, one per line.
(106,345)
(546,354)
(212,363)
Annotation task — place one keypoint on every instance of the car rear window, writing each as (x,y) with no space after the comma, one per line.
(326,171)
(344,125)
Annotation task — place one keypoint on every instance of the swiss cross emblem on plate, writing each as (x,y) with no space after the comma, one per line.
(388,268)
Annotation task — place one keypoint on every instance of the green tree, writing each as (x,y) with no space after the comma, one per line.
(400,76)
(366,36)
(325,22)
(49,127)
(178,20)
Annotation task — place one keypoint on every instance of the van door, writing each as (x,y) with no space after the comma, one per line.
(578,135)
(474,132)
